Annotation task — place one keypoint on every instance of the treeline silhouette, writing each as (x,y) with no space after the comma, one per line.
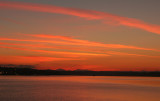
(30,70)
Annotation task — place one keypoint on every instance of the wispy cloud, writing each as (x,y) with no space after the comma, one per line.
(30,59)
(71,41)
(129,54)
(89,43)
(11,20)
(99,51)
(80,42)
(88,14)
(63,53)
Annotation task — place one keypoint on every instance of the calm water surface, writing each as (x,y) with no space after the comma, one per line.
(79,88)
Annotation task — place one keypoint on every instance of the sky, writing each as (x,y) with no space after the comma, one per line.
(100,35)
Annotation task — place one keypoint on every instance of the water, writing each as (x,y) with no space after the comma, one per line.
(79,88)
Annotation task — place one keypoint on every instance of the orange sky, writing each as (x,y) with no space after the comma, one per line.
(53,35)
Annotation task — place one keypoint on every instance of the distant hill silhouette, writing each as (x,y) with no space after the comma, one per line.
(29,70)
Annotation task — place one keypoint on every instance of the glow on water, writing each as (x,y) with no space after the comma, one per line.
(79,88)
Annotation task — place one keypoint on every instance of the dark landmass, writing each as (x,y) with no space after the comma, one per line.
(29,71)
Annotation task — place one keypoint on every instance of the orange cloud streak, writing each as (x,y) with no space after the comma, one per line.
(89,14)
(90,43)
(81,42)
(68,54)
(71,48)
(121,53)
(29,59)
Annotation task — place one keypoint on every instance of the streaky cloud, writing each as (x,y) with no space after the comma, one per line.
(89,43)
(83,43)
(17,59)
(71,48)
(63,53)
(88,14)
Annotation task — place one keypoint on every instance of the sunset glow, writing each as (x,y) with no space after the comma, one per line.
(60,36)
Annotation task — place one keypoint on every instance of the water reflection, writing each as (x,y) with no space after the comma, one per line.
(79,88)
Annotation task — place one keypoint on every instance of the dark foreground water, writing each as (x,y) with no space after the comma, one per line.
(79,88)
